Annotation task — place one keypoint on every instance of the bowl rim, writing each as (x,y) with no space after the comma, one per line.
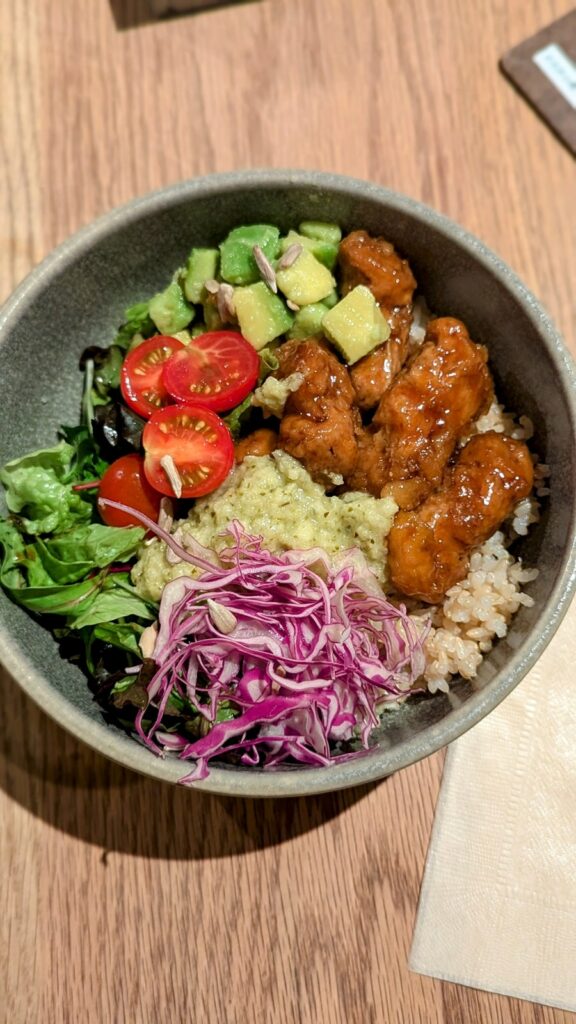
(375,764)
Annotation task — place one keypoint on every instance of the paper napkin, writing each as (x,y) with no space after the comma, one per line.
(498,901)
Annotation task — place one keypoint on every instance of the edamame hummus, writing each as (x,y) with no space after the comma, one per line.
(274,497)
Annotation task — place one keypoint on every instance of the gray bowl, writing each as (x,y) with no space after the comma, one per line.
(76,297)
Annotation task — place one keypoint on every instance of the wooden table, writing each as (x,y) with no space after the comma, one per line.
(126,901)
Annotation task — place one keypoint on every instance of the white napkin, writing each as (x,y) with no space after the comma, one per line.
(498,901)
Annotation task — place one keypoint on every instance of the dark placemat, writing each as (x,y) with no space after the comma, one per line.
(544,70)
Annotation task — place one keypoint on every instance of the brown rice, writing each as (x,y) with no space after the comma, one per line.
(478,610)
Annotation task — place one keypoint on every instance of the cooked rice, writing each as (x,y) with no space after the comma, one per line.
(478,610)
(420,317)
(519,427)
(475,612)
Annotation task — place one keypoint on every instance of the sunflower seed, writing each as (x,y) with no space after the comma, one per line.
(169,467)
(290,256)
(147,641)
(265,267)
(166,514)
(224,620)
(292,305)
(225,301)
(212,286)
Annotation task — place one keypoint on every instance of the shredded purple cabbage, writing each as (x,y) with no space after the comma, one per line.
(305,651)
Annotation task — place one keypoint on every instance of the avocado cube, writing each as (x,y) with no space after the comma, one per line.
(237,263)
(323,232)
(184,336)
(308,321)
(170,311)
(325,252)
(306,280)
(331,299)
(262,316)
(202,265)
(355,325)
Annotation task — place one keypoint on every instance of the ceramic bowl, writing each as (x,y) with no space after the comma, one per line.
(76,297)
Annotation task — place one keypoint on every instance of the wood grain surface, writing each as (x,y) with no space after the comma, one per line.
(127,901)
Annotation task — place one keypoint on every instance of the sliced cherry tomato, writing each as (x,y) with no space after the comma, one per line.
(218,369)
(125,481)
(192,441)
(141,377)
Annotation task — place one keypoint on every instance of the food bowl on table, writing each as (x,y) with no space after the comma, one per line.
(76,298)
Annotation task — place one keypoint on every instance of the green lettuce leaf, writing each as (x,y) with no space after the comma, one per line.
(38,490)
(268,363)
(70,556)
(12,555)
(116,599)
(238,417)
(24,578)
(87,464)
(138,321)
(85,597)
(124,635)
(107,374)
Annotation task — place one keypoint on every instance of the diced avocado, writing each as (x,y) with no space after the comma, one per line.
(355,325)
(308,321)
(237,264)
(202,265)
(170,311)
(306,280)
(184,336)
(262,316)
(323,232)
(331,299)
(325,252)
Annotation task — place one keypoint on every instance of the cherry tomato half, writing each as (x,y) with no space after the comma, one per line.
(141,377)
(218,370)
(125,481)
(198,443)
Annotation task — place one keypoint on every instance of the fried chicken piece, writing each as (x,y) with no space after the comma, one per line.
(424,413)
(326,379)
(375,263)
(428,548)
(327,448)
(319,423)
(374,373)
(259,442)
(369,471)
